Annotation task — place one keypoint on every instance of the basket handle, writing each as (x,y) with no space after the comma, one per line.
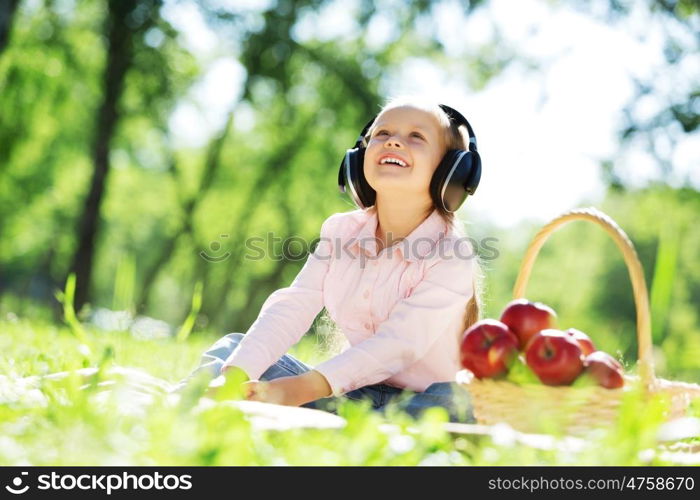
(641,299)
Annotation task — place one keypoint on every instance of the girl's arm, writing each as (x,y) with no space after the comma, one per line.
(435,308)
(288,313)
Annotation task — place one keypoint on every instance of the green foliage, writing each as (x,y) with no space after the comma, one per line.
(66,299)
(79,420)
(124,284)
(188,324)
(664,278)
(264,173)
(521,374)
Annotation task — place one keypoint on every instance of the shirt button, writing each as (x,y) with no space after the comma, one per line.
(367,326)
(374,263)
(366,294)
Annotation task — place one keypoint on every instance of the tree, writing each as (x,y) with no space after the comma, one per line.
(126,23)
(7,12)
(672,91)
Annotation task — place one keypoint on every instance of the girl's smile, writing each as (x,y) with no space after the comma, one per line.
(393,159)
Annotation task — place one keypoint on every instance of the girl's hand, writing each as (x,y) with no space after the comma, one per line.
(290,391)
(227,372)
(280,391)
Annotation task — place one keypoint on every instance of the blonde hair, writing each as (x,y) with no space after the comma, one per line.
(452,137)
(455,137)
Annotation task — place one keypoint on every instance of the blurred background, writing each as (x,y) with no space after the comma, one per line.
(142,142)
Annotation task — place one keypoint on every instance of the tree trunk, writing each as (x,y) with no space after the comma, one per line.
(119,58)
(7,12)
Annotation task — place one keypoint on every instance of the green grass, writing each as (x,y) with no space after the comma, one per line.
(58,423)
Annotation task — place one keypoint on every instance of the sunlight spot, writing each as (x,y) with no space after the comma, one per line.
(401,444)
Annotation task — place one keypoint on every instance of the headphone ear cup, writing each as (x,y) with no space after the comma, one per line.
(352,170)
(475,174)
(456,177)
(439,177)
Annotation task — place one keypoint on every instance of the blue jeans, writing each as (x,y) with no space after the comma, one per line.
(448,395)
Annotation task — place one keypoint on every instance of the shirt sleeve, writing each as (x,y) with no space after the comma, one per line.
(431,314)
(288,313)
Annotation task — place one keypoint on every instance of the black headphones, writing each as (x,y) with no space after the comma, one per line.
(456,177)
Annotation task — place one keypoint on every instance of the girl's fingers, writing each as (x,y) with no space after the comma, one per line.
(248,390)
(255,391)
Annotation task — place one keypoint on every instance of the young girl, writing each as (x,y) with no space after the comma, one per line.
(399,278)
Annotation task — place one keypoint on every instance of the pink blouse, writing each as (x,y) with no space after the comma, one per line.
(402,309)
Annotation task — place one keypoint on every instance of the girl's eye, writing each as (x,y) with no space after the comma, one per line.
(415,134)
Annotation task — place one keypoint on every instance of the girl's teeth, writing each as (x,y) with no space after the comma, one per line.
(392,162)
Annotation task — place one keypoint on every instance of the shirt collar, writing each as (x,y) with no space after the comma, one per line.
(413,248)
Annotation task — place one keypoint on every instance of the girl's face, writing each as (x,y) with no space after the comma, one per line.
(412,137)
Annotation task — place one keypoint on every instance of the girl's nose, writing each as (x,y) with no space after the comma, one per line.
(393,141)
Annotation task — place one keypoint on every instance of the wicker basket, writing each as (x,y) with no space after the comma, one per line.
(576,410)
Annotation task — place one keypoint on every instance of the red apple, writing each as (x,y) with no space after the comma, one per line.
(584,341)
(525,319)
(554,356)
(488,347)
(604,369)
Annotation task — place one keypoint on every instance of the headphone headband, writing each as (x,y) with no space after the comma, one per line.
(454,116)
(459,119)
